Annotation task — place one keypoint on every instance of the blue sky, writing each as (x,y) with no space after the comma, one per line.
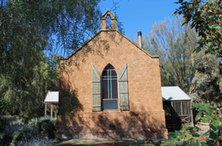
(139,15)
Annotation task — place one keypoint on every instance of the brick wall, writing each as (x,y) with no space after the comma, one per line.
(144,85)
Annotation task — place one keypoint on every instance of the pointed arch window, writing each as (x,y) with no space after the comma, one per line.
(109,88)
(105,89)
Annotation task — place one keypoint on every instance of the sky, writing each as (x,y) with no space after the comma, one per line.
(139,15)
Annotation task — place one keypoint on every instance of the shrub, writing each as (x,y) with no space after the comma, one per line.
(23,134)
(2,135)
(207,113)
(37,142)
(2,124)
(7,134)
(18,133)
(5,120)
(17,122)
(44,125)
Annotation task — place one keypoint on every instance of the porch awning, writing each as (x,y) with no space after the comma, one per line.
(173,93)
(52,97)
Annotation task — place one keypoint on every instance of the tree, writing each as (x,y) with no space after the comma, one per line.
(205,87)
(206,17)
(65,24)
(173,43)
(53,62)
(28,28)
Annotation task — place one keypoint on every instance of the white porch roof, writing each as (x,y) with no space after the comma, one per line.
(52,97)
(174,93)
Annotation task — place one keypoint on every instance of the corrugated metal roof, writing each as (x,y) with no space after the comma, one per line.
(168,93)
(174,93)
(52,97)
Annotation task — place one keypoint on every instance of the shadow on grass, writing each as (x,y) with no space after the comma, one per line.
(138,143)
(76,144)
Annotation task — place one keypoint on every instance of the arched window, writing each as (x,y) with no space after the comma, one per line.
(109,88)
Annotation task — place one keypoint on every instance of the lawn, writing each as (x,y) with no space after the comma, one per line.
(138,143)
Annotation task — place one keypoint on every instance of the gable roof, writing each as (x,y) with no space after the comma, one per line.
(113,17)
(174,93)
(96,34)
(52,97)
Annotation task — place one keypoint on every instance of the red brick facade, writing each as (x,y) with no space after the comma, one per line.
(145,117)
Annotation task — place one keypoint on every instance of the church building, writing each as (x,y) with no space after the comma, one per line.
(110,87)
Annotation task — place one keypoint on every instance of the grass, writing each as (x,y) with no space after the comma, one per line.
(77,144)
(138,143)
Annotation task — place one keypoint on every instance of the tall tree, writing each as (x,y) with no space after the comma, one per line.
(205,17)
(53,62)
(27,29)
(205,87)
(173,43)
(65,24)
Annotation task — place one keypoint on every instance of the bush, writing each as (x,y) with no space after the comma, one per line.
(207,113)
(7,135)
(5,120)
(37,142)
(18,133)
(14,134)
(44,125)
(2,135)
(17,122)
(2,124)
(23,134)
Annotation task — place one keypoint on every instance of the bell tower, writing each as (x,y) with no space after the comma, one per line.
(108,21)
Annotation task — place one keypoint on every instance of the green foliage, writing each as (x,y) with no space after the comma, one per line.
(183,137)
(23,133)
(213,115)
(68,21)
(206,113)
(18,133)
(3,106)
(173,43)
(44,125)
(205,87)
(2,124)
(53,72)
(17,122)
(28,30)
(206,17)
(37,142)
(15,134)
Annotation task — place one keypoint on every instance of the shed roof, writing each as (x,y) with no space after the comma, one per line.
(52,97)
(174,93)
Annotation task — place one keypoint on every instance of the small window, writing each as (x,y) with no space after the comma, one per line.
(109,88)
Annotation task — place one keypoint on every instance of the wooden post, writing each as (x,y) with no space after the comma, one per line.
(45,109)
(51,111)
(191,114)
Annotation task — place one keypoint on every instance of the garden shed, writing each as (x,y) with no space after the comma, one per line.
(177,106)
